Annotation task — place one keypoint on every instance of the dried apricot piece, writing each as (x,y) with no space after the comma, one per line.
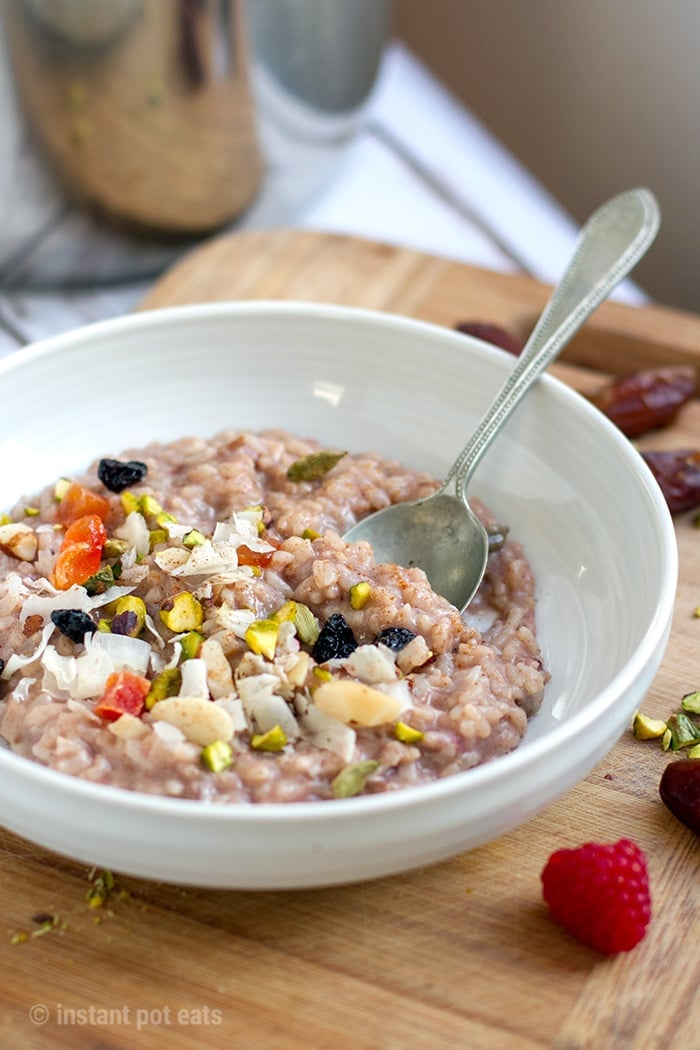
(77,501)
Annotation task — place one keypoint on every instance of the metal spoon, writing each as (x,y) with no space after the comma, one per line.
(441,534)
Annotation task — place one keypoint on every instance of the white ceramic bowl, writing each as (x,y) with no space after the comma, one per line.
(573,489)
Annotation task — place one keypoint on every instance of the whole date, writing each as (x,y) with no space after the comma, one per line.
(646,400)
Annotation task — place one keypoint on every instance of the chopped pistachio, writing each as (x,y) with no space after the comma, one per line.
(103,883)
(20,937)
(103,579)
(308,627)
(104,626)
(166,683)
(684,732)
(310,534)
(694,752)
(666,740)
(691,703)
(217,756)
(31,512)
(407,734)
(164,518)
(359,594)
(60,488)
(193,538)
(261,637)
(314,466)
(182,613)
(149,506)
(129,502)
(351,780)
(5,519)
(190,644)
(114,548)
(696,612)
(129,616)
(273,740)
(323,673)
(155,537)
(285,613)
(645,728)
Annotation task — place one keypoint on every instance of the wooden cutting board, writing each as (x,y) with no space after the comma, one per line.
(461,954)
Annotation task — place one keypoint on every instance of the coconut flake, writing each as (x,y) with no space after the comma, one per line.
(136,532)
(371,664)
(264,707)
(324,731)
(74,597)
(194,679)
(236,620)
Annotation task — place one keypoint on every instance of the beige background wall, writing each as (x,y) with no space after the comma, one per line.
(593,96)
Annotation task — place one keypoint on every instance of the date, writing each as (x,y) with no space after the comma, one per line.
(678,475)
(646,400)
(680,791)
(492,333)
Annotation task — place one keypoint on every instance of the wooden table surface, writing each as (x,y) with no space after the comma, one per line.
(460,954)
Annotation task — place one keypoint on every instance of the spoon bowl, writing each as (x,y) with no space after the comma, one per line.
(441,534)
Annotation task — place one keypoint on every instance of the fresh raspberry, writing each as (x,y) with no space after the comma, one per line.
(600,894)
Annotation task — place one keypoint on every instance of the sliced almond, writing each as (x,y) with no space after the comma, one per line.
(355,703)
(200,721)
(19,540)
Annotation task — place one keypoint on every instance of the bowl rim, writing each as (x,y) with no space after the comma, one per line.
(515,762)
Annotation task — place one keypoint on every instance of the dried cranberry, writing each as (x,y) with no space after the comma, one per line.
(117,476)
(395,638)
(335,640)
(74,623)
(680,791)
(491,333)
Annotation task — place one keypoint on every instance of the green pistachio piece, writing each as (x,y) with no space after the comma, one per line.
(351,780)
(314,466)
(182,613)
(60,488)
(310,534)
(193,538)
(129,502)
(129,616)
(645,728)
(684,733)
(273,740)
(261,637)
(103,579)
(691,703)
(407,734)
(190,644)
(217,756)
(157,536)
(359,594)
(149,506)
(114,548)
(694,752)
(166,683)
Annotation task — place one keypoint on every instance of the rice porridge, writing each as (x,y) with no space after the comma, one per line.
(185,619)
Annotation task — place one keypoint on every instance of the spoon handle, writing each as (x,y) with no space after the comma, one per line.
(610,244)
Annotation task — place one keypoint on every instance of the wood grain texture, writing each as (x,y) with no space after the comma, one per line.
(460,954)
